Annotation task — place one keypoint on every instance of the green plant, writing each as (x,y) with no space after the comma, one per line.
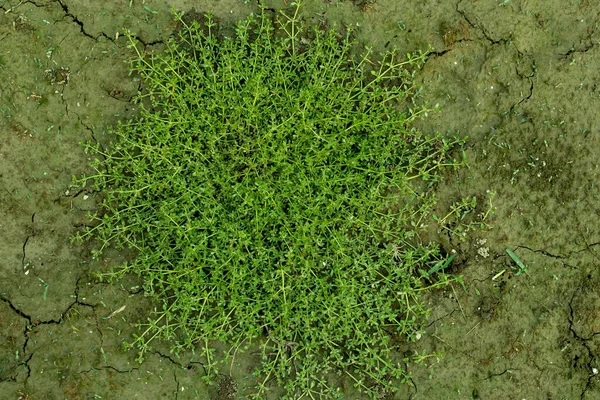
(456,222)
(277,196)
(517,260)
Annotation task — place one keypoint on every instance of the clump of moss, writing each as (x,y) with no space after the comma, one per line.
(276,195)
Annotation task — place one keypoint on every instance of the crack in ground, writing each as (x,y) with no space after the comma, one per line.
(92,134)
(33,323)
(15,309)
(188,366)
(24,246)
(67,193)
(26,365)
(583,342)
(176,385)
(588,247)
(26,333)
(586,47)
(83,304)
(80,23)
(124,371)
(571,324)
(449,314)
(412,383)
(76,302)
(520,56)
(29,236)
(541,251)
(490,376)
(168,358)
(102,34)
(83,31)
(65,103)
(481,28)
(524,99)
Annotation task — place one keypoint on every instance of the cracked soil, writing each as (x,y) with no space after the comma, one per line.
(520,78)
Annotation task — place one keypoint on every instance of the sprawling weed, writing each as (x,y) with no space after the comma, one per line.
(277,197)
